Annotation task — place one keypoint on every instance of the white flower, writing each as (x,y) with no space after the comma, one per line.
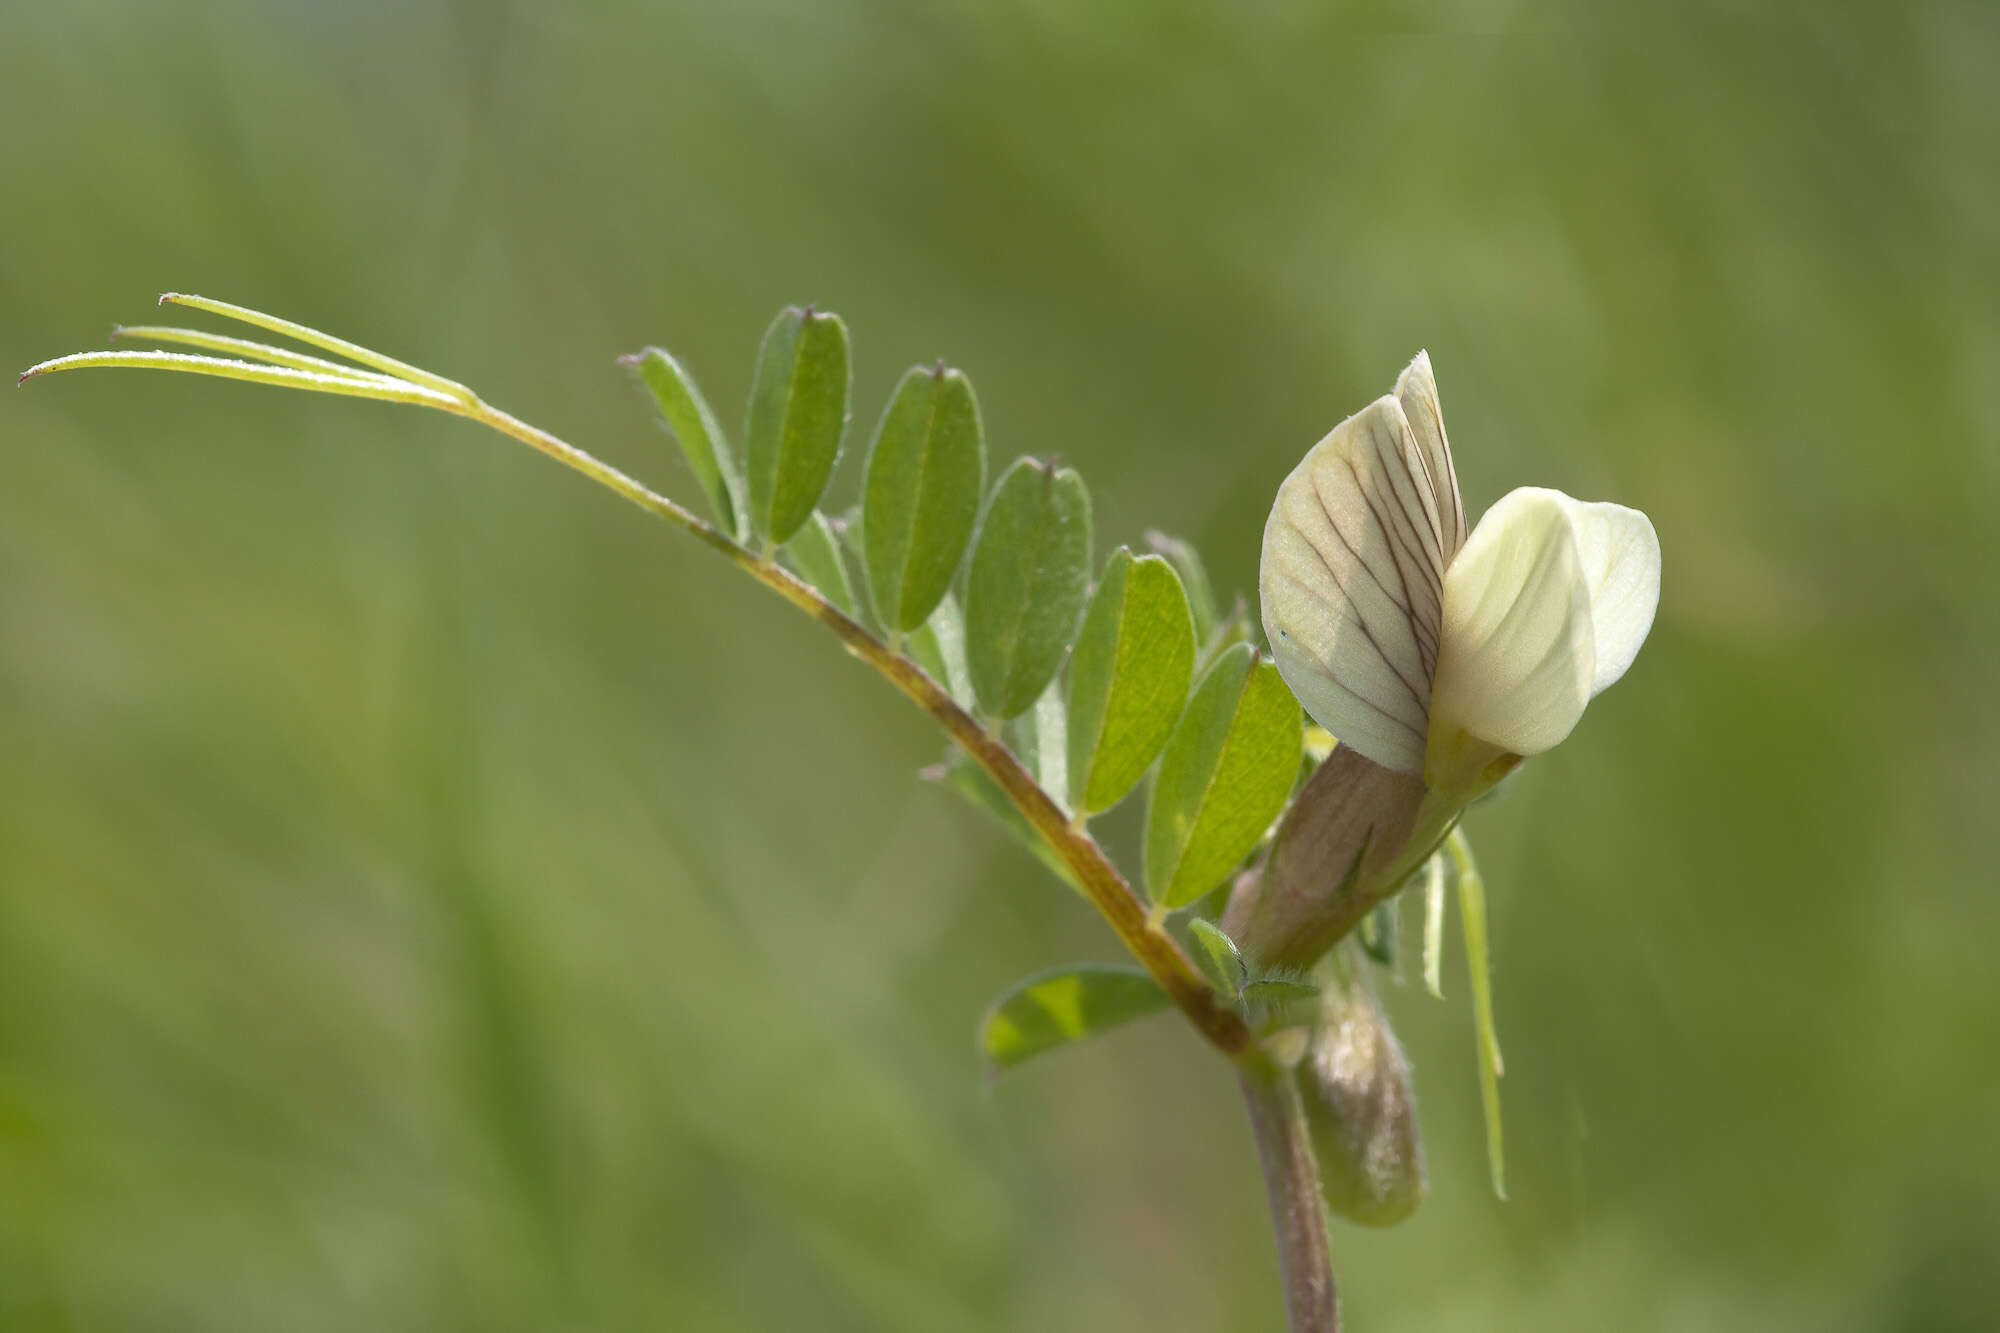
(1428,651)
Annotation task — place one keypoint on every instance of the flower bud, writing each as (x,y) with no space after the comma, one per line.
(1361,1114)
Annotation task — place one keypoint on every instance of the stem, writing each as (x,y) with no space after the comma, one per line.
(1145,937)
(1291,1179)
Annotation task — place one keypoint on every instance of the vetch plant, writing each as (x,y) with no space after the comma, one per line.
(1271,854)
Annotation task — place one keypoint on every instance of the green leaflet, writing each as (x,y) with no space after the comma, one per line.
(920,493)
(938,646)
(847,535)
(1219,956)
(694,427)
(1051,717)
(1128,677)
(798,409)
(1038,739)
(1225,774)
(1025,586)
(977,786)
(1052,1009)
(814,551)
(1472,914)
(1194,578)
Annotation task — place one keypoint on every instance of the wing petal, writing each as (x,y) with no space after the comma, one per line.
(1352,583)
(1519,656)
(1619,554)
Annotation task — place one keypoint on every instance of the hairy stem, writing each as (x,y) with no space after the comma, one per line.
(1291,1179)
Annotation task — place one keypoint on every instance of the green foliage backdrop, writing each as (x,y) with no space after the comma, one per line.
(435,896)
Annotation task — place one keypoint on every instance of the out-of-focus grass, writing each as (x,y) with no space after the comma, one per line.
(433,897)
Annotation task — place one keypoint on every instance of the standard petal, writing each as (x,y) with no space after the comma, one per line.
(1619,555)
(1518,658)
(1417,391)
(1352,583)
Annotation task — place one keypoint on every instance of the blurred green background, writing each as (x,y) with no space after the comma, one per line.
(434,895)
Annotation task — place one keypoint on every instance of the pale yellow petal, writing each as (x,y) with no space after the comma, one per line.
(1518,657)
(1417,391)
(1619,554)
(1352,582)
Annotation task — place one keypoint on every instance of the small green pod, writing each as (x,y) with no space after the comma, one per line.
(1361,1112)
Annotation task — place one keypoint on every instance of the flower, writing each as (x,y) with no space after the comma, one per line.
(1415,643)
(1439,658)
